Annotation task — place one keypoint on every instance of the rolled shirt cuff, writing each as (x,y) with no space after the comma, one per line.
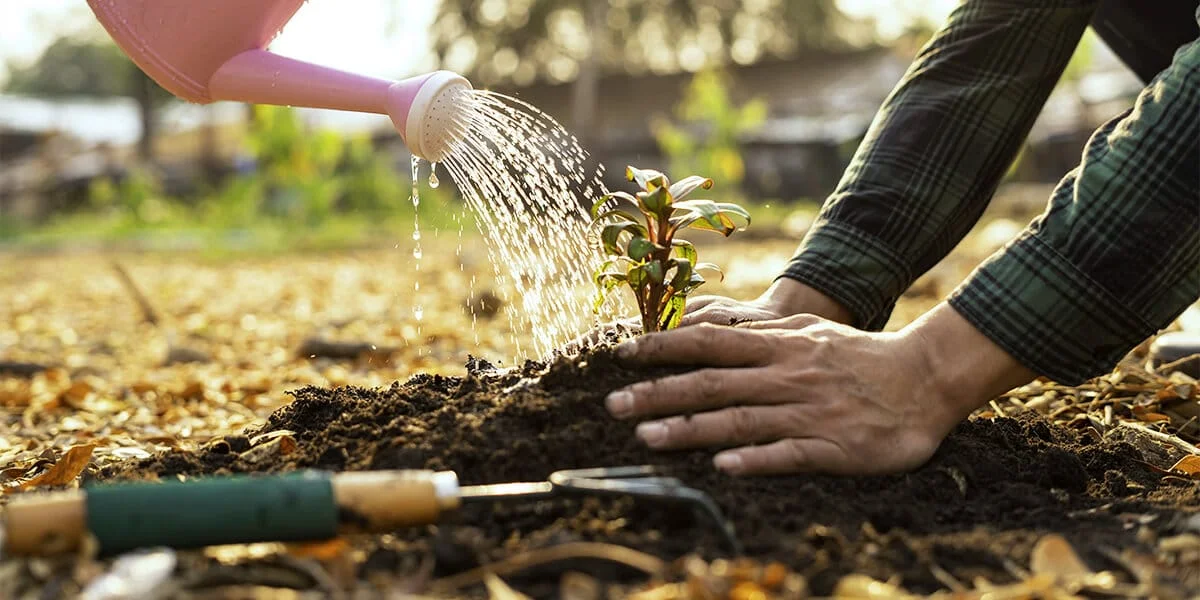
(853,267)
(1047,313)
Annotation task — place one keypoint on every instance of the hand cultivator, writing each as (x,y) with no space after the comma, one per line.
(308,505)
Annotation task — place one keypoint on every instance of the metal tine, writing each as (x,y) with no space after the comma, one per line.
(612,472)
(646,481)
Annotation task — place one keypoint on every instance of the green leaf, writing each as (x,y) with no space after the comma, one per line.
(731,208)
(656,201)
(647,179)
(599,207)
(711,267)
(606,279)
(610,278)
(608,268)
(709,215)
(687,185)
(654,270)
(637,277)
(683,273)
(685,249)
(612,233)
(624,217)
(640,247)
(673,312)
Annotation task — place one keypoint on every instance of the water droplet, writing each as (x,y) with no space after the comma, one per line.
(526,169)
(418,312)
(417,254)
(433,180)
(416,234)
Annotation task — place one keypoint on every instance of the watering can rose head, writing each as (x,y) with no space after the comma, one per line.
(637,233)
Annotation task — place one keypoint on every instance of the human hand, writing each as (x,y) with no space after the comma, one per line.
(817,395)
(785,297)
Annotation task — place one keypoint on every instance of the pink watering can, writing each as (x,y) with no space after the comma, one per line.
(208,50)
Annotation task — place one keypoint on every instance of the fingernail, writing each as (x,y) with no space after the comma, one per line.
(730,462)
(652,434)
(620,404)
(626,350)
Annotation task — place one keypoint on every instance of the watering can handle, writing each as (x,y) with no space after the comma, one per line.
(307,505)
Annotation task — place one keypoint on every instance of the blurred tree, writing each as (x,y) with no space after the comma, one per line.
(497,42)
(81,66)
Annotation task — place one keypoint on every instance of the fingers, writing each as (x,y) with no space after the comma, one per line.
(727,427)
(697,391)
(703,344)
(699,302)
(711,313)
(799,321)
(791,455)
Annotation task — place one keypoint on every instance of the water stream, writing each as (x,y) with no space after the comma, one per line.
(530,185)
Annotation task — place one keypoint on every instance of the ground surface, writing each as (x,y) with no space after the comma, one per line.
(1044,459)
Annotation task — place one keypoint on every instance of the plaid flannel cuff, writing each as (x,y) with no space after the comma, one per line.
(854,268)
(1047,314)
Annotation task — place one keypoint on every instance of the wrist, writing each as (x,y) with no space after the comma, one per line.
(790,297)
(965,368)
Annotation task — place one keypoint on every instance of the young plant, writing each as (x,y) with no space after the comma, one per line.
(638,235)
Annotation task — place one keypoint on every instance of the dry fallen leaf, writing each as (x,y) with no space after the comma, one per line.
(747,590)
(279,446)
(1188,465)
(855,587)
(1054,557)
(1152,417)
(65,470)
(77,393)
(324,550)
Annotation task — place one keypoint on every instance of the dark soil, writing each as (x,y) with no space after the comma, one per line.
(976,509)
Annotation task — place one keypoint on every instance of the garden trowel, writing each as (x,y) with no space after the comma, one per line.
(301,506)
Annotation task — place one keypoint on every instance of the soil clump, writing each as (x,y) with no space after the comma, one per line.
(975,510)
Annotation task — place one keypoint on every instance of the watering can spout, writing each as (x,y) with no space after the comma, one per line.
(421,108)
(208,50)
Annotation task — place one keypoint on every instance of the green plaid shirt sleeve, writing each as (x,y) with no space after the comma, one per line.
(1115,257)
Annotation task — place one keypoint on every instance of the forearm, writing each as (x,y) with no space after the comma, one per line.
(1116,256)
(936,151)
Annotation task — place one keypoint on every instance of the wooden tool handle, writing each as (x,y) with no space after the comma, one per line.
(387,500)
(45,524)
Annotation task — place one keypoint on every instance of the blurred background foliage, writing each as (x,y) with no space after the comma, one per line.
(692,86)
(714,151)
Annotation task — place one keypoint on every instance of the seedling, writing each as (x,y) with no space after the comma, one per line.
(643,250)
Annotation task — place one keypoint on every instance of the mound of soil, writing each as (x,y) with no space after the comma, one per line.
(976,509)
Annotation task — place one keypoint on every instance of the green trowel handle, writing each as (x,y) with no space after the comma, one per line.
(297,506)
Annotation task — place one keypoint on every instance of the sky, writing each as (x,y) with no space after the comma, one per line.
(381,38)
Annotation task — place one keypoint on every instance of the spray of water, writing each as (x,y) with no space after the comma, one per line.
(530,185)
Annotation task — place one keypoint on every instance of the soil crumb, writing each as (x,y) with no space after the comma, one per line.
(994,487)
